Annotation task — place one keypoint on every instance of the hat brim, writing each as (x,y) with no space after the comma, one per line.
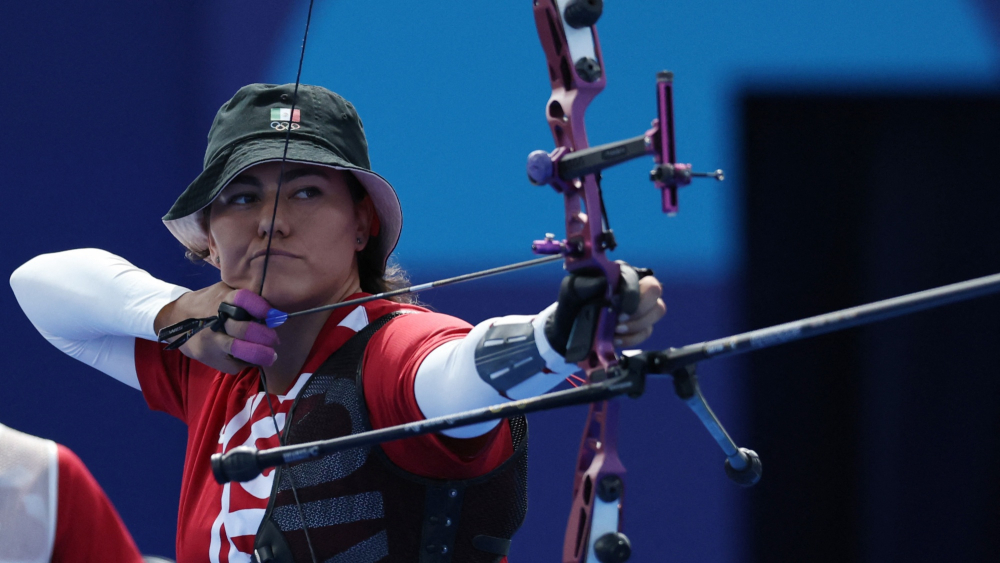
(184,218)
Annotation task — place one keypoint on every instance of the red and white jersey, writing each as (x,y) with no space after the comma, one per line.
(218,523)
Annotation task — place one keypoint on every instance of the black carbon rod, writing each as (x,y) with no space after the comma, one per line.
(668,360)
(245,463)
(578,164)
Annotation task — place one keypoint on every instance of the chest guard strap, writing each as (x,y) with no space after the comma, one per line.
(359,507)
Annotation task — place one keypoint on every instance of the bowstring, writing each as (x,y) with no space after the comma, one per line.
(284,153)
(267,257)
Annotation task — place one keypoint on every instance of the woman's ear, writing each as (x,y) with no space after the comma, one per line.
(213,253)
(364,212)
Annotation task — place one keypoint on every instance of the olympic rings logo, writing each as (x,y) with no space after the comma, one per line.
(283,126)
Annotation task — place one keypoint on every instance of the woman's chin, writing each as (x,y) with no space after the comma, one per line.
(291,291)
(286,302)
(289,298)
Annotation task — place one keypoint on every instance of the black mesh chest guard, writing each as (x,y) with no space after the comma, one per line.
(360,507)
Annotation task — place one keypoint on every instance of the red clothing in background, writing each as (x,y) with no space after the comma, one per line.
(88,529)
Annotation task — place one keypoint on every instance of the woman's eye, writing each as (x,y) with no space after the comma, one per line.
(306,193)
(242,199)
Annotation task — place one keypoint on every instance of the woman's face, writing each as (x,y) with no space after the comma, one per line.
(316,231)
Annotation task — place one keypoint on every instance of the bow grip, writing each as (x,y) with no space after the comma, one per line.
(581,335)
(627,298)
(589,291)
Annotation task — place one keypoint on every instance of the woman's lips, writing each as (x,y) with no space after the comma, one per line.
(274,253)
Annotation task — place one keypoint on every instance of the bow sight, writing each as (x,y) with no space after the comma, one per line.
(560,167)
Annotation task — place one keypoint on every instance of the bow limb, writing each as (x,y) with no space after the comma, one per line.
(576,72)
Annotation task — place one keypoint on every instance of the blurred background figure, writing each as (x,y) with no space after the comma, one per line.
(52,509)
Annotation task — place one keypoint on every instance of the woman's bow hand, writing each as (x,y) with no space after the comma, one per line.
(634,329)
(240,345)
(582,295)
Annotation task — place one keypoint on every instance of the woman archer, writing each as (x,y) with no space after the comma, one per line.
(325,224)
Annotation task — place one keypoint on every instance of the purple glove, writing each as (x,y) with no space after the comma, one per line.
(256,347)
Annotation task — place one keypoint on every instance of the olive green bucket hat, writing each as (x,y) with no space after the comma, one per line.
(322,129)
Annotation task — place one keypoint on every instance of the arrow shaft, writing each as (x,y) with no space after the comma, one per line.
(426,286)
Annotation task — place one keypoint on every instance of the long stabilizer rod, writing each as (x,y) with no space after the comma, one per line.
(668,360)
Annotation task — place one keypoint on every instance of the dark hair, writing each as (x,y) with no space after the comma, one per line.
(373,276)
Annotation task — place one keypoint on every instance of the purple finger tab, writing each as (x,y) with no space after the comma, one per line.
(253,303)
(254,354)
(260,334)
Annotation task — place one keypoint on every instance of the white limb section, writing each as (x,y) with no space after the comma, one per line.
(449,380)
(580,41)
(92,305)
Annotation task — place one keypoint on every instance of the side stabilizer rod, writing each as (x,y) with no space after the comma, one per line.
(245,462)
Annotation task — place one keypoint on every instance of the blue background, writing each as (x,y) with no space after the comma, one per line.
(108,105)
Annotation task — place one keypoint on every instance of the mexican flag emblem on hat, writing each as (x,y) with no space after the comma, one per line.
(285,114)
